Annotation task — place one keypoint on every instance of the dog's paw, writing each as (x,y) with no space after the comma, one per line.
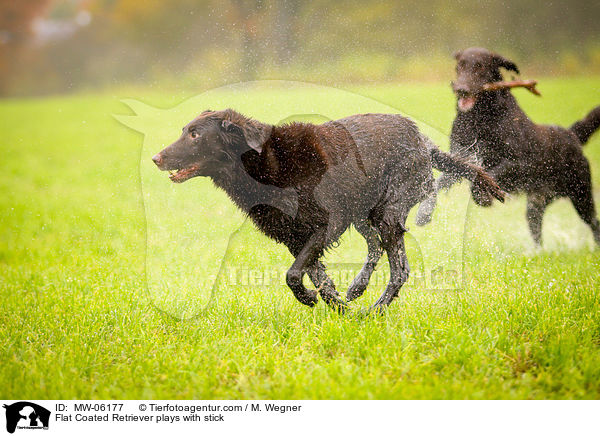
(422,219)
(425,212)
(356,288)
(309,298)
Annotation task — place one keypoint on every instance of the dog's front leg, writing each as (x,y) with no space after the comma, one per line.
(305,258)
(326,287)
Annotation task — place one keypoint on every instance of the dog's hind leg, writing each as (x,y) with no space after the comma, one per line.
(392,237)
(399,271)
(425,211)
(427,206)
(583,201)
(536,205)
(361,281)
(326,287)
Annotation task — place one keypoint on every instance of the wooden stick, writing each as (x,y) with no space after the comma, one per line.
(528,84)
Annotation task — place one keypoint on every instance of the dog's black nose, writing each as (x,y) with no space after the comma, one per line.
(157,159)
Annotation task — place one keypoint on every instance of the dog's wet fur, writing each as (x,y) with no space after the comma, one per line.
(544,162)
(367,170)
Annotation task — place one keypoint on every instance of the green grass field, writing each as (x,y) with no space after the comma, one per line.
(104,286)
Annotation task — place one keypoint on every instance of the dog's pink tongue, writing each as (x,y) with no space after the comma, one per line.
(466,103)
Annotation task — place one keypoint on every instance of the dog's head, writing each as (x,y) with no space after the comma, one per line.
(476,67)
(210,144)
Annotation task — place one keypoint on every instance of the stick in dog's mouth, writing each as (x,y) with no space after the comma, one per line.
(527,84)
(466,100)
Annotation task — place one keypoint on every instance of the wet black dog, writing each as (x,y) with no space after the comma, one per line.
(545,162)
(366,170)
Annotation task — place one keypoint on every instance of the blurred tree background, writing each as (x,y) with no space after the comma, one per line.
(50,46)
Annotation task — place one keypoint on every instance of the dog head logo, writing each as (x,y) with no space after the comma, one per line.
(26,415)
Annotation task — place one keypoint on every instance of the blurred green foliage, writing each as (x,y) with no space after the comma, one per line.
(201,44)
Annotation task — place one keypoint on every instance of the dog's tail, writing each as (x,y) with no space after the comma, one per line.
(586,127)
(447,163)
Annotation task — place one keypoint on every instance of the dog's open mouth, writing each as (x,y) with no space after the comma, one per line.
(466,101)
(184,174)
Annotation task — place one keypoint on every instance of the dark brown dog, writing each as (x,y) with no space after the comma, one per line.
(544,162)
(366,170)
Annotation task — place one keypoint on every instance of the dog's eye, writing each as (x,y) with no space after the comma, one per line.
(194,134)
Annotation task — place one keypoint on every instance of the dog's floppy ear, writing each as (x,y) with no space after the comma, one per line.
(254,134)
(501,61)
(229,127)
